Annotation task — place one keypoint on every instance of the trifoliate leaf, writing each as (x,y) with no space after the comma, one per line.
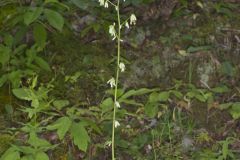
(80,136)
(62,125)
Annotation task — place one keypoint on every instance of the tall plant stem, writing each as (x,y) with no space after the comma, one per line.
(117,77)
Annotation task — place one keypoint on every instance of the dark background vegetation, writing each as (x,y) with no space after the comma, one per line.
(180,94)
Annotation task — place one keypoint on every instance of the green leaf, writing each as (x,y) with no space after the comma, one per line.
(62,125)
(11,154)
(131,102)
(15,78)
(23,94)
(4,55)
(163,96)
(41,156)
(42,63)
(59,104)
(151,109)
(57,2)
(153,97)
(200,97)
(3,79)
(136,93)
(225,106)
(221,89)
(199,48)
(107,105)
(37,142)
(82,4)
(40,35)
(55,19)
(28,157)
(176,93)
(32,15)
(235,110)
(80,136)
(227,68)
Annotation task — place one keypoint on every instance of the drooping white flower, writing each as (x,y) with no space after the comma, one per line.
(116,124)
(117,104)
(112,31)
(127,24)
(101,2)
(106,4)
(111,82)
(133,19)
(122,67)
(108,143)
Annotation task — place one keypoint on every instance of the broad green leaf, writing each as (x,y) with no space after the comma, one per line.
(107,105)
(200,97)
(23,93)
(131,102)
(37,142)
(82,4)
(163,96)
(9,109)
(28,157)
(225,106)
(40,35)
(55,19)
(59,104)
(136,93)
(153,97)
(3,79)
(227,68)
(176,93)
(235,110)
(62,125)
(221,89)
(15,78)
(42,63)
(151,109)
(26,149)
(4,55)
(80,136)
(120,92)
(57,2)
(41,156)
(32,15)
(11,154)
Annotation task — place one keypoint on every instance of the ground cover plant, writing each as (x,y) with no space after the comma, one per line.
(119,80)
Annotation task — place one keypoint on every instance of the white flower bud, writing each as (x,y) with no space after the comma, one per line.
(127,24)
(117,104)
(133,19)
(122,67)
(101,2)
(116,124)
(111,82)
(112,31)
(106,4)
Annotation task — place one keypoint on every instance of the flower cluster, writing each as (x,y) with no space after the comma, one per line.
(103,3)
